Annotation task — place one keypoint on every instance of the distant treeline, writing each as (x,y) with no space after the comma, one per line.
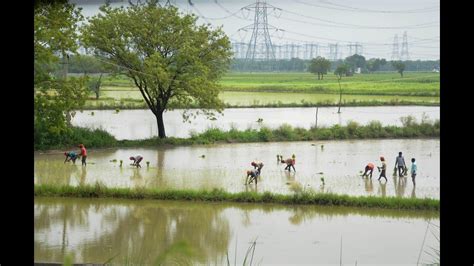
(300,65)
(89,65)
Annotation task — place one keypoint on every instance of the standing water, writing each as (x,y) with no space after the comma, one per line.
(141,124)
(224,166)
(189,233)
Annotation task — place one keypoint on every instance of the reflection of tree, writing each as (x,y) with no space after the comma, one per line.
(149,232)
(64,215)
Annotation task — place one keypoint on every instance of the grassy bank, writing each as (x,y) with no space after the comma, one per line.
(133,104)
(353,130)
(100,191)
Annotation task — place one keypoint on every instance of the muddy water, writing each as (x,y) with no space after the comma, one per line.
(224,166)
(186,233)
(140,124)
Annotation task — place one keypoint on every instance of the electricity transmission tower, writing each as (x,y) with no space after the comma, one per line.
(395,51)
(260,46)
(333,52)
(404,53)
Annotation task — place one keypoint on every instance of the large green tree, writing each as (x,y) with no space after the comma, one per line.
(374,64)
(355,61)
(399,67)
(55,95)
(168,56)
(319,66)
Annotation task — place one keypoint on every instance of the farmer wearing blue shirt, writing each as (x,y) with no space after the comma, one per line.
(413,170)
(70,156)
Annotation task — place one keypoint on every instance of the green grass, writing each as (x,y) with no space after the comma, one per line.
(132,99)
(100,191)
(388,83)
(295,90)
(373,130)
(383,83)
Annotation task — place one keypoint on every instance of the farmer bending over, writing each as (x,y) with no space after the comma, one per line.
(253,174)
(290,162)
(257,165)
(136,161)
(70,156)
(369,167)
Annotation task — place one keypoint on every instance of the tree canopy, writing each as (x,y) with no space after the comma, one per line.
(55,95)
(319,66)
(166,54)
(355,61)
(399,66)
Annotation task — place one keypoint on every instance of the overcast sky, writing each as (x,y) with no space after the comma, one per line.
(373,23)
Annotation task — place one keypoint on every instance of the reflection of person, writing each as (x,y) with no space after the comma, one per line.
(369,187)
(382,169)
(400,162)
(413,170)
(83,176)
(413,194)
(136,160)
(83,154)
(369,168)
(70,156)
(383,187)
(400,186)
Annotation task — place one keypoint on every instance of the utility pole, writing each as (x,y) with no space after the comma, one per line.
(404,53)
(260,46)
(395,51)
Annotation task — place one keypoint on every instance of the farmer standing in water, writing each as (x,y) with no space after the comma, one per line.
(83,154)
(400,162)
(382,168)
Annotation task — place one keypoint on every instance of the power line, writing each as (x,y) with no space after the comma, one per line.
(422,25)
(361,10)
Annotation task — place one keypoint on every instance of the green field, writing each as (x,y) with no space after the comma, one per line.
(296,89)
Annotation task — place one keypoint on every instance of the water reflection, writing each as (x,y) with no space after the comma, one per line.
(142,233)
(382,188)
(184,233)
(369,186)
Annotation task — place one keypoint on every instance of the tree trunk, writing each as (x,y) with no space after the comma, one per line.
(322,76)
(340,96)
(161,125)
(401,73)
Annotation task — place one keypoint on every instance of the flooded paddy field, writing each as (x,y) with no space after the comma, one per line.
(141,124)
(190,233)
(224,166)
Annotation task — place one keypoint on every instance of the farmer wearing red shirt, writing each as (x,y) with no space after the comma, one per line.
(83,154)
(370,167)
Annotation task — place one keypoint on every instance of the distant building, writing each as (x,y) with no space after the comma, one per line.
(358,70)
